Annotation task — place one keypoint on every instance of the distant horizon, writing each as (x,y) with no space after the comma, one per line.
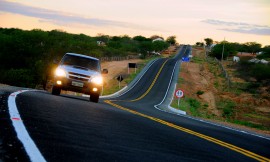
(60,30)
(190,21)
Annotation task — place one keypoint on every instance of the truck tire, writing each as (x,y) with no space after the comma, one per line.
(56,90)
(94,98)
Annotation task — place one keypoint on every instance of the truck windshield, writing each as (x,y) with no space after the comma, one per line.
(81,62)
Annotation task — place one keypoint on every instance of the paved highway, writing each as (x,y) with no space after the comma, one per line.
(122,128)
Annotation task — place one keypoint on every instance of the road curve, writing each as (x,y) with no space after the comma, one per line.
(125,128)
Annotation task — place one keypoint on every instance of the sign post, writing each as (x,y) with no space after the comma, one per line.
(186,59)
(179,94)
(120,79)
(132,65)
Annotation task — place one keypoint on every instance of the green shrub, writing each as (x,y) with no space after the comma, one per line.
(206,105)
(200,92)
(197,60)
(194,106)
(252,125)
(228,108)
(257,70)
(18,77)
(260,71)
(194,103)
(264,56)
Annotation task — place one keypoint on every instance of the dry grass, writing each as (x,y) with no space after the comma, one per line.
(203,82)
(115,69)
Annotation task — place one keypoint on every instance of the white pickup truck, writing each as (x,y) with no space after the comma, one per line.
(79,73)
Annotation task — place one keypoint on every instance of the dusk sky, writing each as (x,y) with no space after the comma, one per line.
(189,20)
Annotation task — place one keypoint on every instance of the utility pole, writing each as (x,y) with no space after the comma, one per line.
(223,50)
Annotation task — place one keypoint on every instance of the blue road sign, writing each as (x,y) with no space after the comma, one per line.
(185,59)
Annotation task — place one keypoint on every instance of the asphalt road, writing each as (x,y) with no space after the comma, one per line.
(124,128)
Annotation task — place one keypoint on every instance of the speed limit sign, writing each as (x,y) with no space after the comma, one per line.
(179,93)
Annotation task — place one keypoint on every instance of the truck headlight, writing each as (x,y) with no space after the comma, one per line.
(60,72)
(97,80)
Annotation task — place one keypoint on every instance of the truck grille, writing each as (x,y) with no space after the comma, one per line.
(78,76)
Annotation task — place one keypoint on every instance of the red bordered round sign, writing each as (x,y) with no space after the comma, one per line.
(179,93)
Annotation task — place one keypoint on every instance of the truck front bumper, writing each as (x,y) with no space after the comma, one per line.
(77,85)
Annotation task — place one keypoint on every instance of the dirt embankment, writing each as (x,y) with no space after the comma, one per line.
(116,68)
(198,82)
(204,82)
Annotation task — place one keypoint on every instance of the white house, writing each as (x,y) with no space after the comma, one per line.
(236,59)
(158,39)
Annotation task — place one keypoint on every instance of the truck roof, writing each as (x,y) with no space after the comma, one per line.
(81,55)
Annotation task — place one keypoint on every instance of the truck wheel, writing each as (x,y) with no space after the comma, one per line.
(94,98)
(56,90)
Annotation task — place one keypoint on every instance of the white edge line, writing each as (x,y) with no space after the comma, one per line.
(129,89)
(118,93)
(183,114)
(176,111)
(22,134)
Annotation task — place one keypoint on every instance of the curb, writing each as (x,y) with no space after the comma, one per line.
(165,104)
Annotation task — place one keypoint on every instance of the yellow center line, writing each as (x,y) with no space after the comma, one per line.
(205,137)
(152,84)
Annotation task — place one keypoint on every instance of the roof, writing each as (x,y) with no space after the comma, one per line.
(158,39)
(81,55)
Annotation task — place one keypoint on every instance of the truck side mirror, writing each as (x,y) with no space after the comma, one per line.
(105,71)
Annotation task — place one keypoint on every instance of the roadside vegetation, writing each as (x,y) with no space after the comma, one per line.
(26,57)
(242,97)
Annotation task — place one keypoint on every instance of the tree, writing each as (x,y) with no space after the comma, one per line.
(30,54)
(265,54)
(102,37)
(217,51)
(229,50)
(253,47)
(114,44)
(141,38)
(126,37)
(266,49)
(160,45)
(145,47)
(153,37)
(171,40)
(208,41)
(116,38)
(199,44)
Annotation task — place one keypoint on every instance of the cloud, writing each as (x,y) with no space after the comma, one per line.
(56,17)
(240,27)
(256,31)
